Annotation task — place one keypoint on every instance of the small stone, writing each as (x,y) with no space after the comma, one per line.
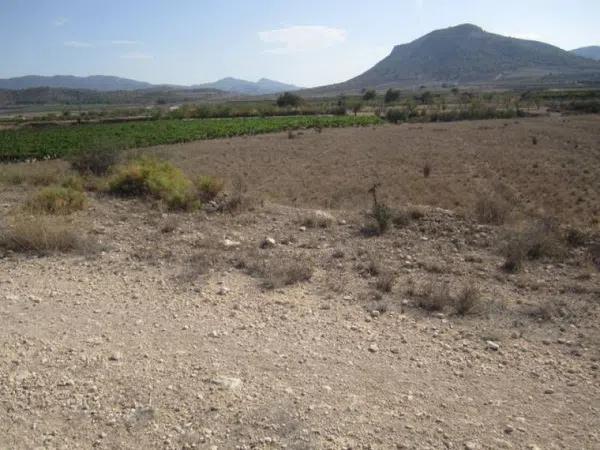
(116,356)
(223,290)
(230,383)
(302,228)
(549,391)
(228,243)
(375,313)
(268,242)
(471,446)
(493,346)
(373,348)
(508,429)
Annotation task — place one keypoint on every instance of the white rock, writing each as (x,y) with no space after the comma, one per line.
(230,383)
(493,346)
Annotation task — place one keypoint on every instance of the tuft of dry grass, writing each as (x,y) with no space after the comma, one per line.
(276,272)
(434,296)
(43,236)
(40,173)
(209,187)
(317,219)
(385,281)
(467,300)
(492,209)
(542,240)
(56,200)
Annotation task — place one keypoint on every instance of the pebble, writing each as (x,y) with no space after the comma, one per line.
(230,383)
(223,290)
(268,242)
(493,346)
(373,348)
(116,356)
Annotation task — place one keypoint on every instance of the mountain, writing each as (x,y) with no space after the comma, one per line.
(95,82)
(592,52)
(466,54)
(263,86)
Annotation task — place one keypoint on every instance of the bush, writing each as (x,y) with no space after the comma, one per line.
(426,170)
(317,219)
(57,200)
(40,173)
(391,95)
(492,209)
(383,216)
(434,296)
(468,299)
(289,99)
(542,240)
(43,236)
(385,281)
(148,177)
(96,160)
(396,115)
(369,95)
(209,187)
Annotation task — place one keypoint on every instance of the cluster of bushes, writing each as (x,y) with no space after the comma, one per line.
(409,113)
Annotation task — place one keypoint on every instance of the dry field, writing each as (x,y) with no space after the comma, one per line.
(559,175)
(151,329)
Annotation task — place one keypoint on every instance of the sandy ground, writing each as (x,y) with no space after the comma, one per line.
(162,339)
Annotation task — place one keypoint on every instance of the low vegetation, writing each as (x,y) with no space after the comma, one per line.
(59,141)
(57,200)
(542,240)
(43,236)
(151,178)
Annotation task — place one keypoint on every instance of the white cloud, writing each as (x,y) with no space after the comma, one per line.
(137,56)
(124,42)
(77,44)
(301,38)
(60,21)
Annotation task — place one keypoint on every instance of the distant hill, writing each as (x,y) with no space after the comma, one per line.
(466,54)
(592,52)
(95,82)
(263,86)
(76,97)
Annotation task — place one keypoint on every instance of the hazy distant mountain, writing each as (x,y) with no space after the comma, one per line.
(592,52)
(95,82)
(466,54)
(261,87)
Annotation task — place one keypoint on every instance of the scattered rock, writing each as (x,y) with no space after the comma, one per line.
(491,345)
(268,242)
(373,348)
(229,383)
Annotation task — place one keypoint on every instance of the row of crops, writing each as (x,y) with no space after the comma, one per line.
(58,141)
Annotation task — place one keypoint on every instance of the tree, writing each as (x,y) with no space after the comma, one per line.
(288,99)
(426,98)
(356,108)
(369,95)
(391,95)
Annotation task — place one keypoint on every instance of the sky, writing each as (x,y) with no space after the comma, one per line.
(307,43)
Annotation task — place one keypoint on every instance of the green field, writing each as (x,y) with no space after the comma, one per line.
(58,141)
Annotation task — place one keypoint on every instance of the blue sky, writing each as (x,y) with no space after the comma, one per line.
(304,42)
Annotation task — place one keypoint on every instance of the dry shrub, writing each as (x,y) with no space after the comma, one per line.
(317,219)
(542,240)
(401,218)
(96,160)
(276,272)
(286,272)
(209,187)
(385,281)
(467,300)
(238,199)
(427,170)
(41,173)
(170,224)
(44,235)
(434,296)
(492,209)
(57,200)
(575,237)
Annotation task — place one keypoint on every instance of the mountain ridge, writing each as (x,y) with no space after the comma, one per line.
(591,52)
(466,54)
(107,83)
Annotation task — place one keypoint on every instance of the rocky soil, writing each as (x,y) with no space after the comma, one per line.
(165,338)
